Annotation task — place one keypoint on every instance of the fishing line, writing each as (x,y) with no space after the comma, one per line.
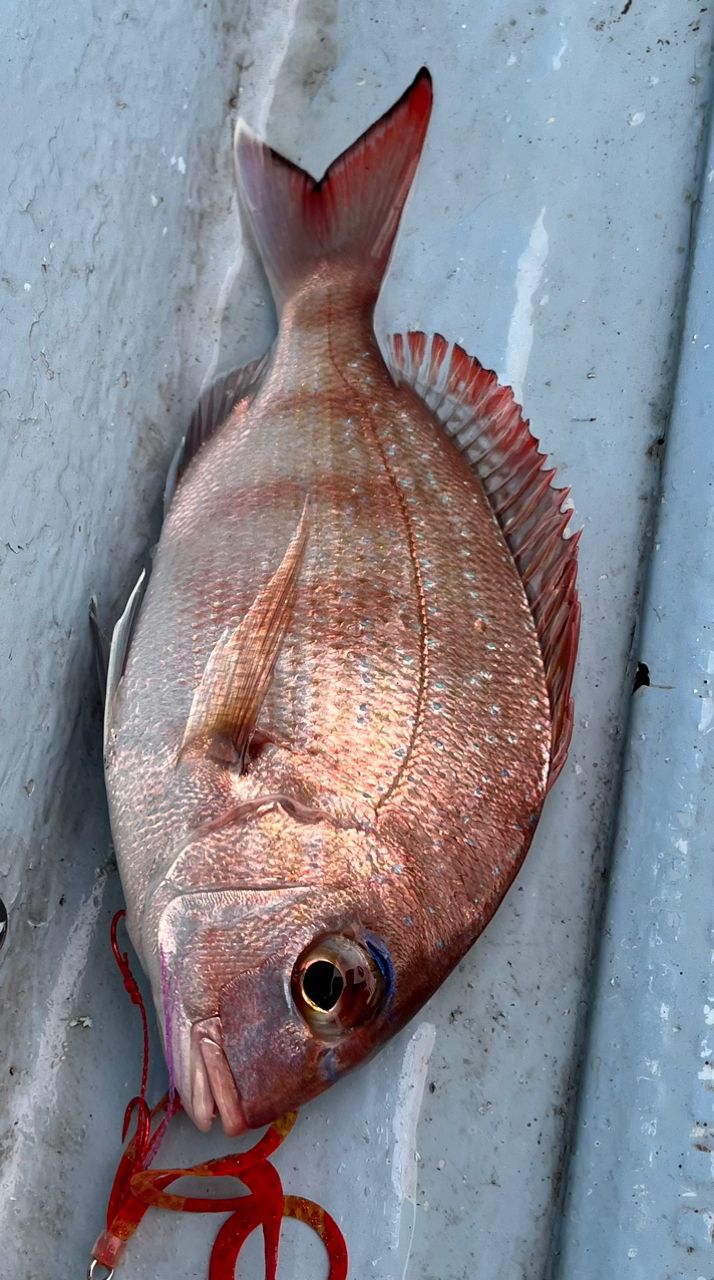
(137,1187)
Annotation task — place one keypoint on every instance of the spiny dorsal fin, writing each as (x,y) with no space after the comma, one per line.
(227,702)
(214,406)
(486,424)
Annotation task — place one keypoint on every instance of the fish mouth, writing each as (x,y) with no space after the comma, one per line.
(212,1086)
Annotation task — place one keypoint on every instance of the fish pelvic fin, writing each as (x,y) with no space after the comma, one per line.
(487,426)
(351,215)
(119,650)
(227,702)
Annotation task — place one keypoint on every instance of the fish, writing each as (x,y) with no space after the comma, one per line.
(336,705)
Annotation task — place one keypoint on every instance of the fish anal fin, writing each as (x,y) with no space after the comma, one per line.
(223,718)
(487,426)
(215,404)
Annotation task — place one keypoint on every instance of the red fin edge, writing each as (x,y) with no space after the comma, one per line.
(488,427)
(352,213)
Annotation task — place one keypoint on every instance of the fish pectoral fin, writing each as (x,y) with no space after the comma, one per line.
(215,404)
(487,426)
(226,705)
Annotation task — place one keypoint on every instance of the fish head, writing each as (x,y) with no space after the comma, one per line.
(313,1010)
(273,992)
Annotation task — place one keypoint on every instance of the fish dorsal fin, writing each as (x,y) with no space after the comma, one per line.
(227,702)
(214,406)
(487,426)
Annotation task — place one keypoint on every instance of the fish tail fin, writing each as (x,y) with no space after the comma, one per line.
(351,215)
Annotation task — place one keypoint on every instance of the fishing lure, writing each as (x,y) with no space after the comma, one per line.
(137,1187)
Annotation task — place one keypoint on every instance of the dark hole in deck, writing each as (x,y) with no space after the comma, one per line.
(3,922)
(642,677)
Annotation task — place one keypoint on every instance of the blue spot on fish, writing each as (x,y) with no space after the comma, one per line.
(328,1064)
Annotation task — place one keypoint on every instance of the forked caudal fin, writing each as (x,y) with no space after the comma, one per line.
(487,426)
(351,215)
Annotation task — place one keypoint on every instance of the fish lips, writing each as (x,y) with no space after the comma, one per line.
(213,1086)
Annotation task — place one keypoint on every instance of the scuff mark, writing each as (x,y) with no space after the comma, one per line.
(530,269)
(706,715)
(410,1093)
(557,60)
(258,123)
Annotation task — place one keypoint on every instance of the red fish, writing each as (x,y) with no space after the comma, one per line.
(333,718)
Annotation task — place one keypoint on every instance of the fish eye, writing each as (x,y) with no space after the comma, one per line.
(336,985)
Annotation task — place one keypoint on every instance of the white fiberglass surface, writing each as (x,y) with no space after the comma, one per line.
(548,233)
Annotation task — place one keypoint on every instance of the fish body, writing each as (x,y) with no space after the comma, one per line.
(333,721)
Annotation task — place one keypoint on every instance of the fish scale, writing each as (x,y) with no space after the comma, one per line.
(336,716)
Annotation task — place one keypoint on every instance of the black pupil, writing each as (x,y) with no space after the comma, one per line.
(323,984)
